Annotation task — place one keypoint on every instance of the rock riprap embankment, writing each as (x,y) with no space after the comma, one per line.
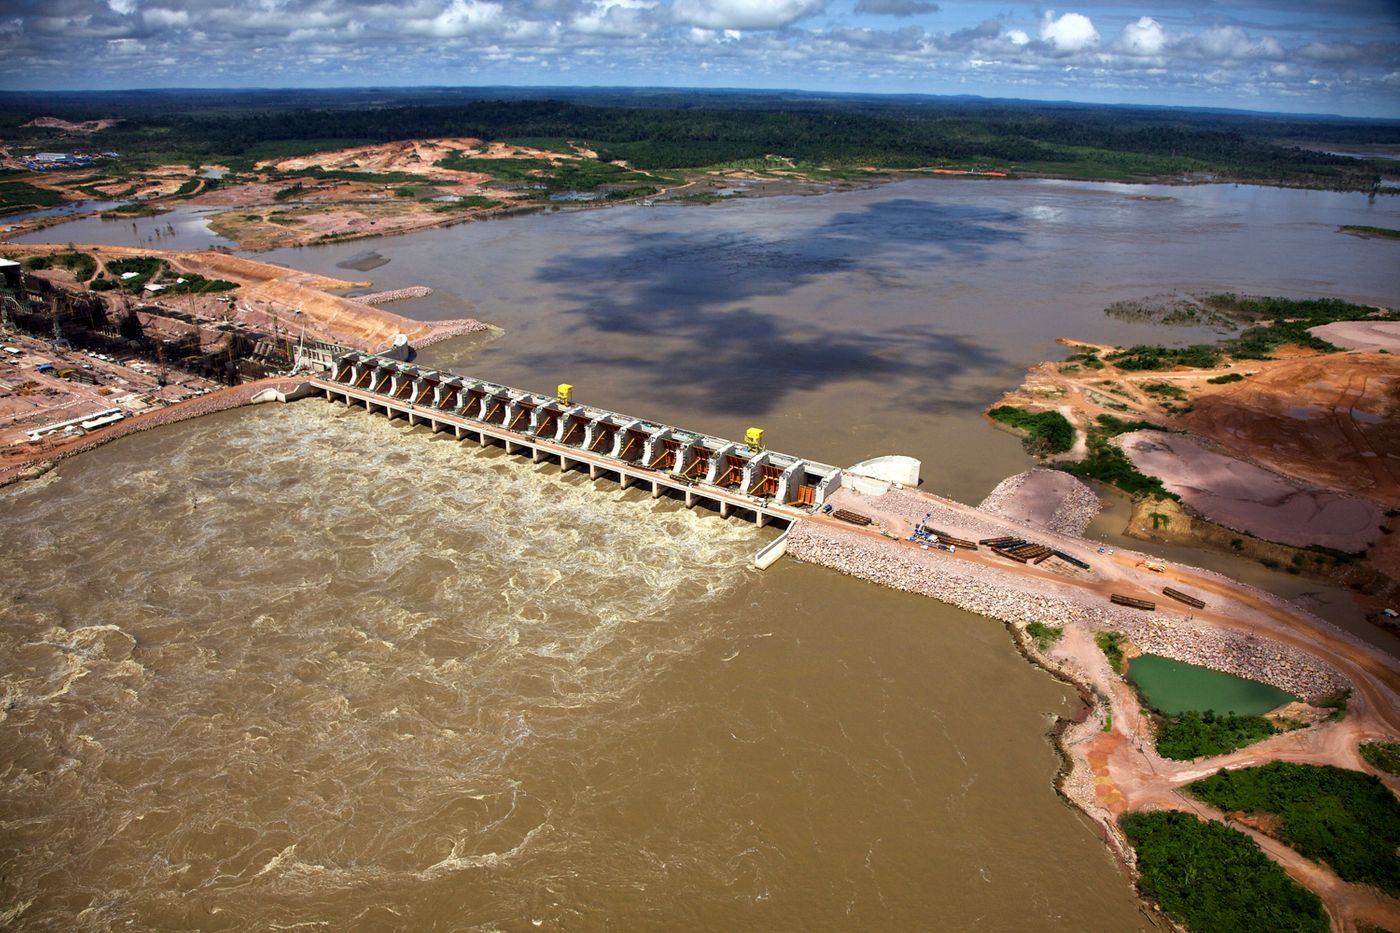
(1011,598)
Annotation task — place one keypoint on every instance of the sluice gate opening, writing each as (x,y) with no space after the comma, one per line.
(575,427)
(665,459)
(697,468)
(547,422)
(699,463)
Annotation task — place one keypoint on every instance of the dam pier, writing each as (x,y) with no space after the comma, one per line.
(699,468)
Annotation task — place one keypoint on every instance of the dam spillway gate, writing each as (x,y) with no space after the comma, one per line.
(698,467)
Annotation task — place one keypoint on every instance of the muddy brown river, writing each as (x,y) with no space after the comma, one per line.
(298,667)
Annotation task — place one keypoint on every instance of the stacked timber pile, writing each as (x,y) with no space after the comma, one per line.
(952,539)
(1186,598)
(1019,600)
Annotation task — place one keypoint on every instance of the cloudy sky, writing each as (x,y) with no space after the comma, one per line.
(1321,56)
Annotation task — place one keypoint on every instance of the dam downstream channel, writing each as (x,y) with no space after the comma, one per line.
(365,680)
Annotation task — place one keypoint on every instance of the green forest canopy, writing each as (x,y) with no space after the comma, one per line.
(685,130)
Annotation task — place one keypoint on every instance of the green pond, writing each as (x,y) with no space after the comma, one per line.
(1175,687)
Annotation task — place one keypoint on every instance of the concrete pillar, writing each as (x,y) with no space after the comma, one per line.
(620,437)
(655,489)
(724,509)
(510,446)
(593,471)
(481,438)
(789,481)
(623,480)
(753,471)
(538,455)
(684,454)
(712,472)
(760,518)
(564,464)
(689,499)
(654,445)
(457,431)
(828,486)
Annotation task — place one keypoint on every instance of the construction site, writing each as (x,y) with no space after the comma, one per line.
(96,335)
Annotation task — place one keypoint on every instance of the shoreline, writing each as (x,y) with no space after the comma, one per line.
(763,188)
(219,400)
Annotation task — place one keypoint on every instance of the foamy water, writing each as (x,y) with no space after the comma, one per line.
(387,686)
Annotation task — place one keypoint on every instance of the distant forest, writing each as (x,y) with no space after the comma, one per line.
(659,130)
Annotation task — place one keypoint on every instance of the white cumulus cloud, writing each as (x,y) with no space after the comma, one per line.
(1231,43)
(461,18)
(1145,37)
(1073,32)
(744,14)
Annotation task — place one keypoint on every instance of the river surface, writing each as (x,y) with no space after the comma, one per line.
(299,666)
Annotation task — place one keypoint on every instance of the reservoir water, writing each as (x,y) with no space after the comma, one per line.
(866,322)
(297,666)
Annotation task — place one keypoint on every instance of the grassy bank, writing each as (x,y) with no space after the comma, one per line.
(1382,755)
(1359,230)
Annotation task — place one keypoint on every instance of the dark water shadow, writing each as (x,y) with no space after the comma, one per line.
(681,296)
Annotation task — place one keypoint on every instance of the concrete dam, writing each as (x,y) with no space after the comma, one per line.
(700,468)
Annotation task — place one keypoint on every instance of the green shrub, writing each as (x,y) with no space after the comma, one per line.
(1046,431)
(1346,819)
(1198,356)
(1044,635)
(1193,735)
(1382,755)
(1110,643)
(1164,389)
(1214,879)
(468,201)
(1225,379)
